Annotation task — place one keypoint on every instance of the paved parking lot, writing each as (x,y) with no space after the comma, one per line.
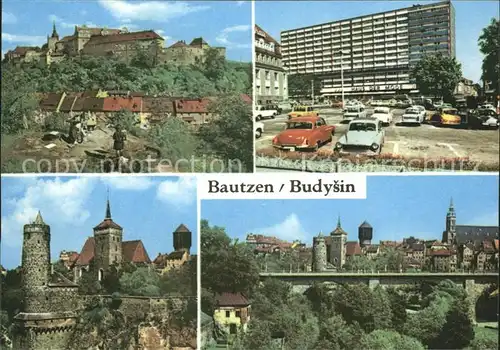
(410,141)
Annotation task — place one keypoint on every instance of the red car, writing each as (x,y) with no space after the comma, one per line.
(304,133)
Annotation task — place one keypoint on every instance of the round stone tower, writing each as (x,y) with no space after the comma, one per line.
(365,234)
(319,253)
(36,264)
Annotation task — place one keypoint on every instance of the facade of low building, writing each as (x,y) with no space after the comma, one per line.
(181,53)
(232,312)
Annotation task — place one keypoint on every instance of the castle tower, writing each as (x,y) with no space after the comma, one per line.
(36,264)
(365,234)
(108,244)
(53,39)
(451,221)
(338,246)
(319,253)
(182,238)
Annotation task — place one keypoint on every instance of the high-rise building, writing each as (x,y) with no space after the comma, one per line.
(376,51)
(270,77)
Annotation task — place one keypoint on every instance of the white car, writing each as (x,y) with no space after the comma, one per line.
(383,114)
(262,112)
(285,106)
(259,129)
(413,115)
(354,112)
(488,106)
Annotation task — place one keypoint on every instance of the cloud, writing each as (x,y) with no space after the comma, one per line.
(239,3)
(149,10)
(63,24)
(178,193)
(8,18)
(133,183)
(58,201)
(31,40)
(223,37)
(289,229)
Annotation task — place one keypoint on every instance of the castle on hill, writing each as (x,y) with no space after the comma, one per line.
(115,43)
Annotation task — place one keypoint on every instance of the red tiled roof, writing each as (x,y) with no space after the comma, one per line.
(180,43)
(231,299)
(115,38)
(182,228)
(441,252)
(67,38)
(73,257)
(198,42)
(353,248)
(134,251)
(22,50)
(157,104)
(50,101)
(192,106)
(246,98)
(267,37)
(115,104)
(107,223)
(87,253)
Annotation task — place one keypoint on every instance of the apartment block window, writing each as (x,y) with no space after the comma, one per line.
(268,75)
(228,314)
(275,76)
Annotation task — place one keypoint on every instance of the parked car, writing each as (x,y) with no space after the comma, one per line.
(259,129)
(446,117)
(336,104)
(383,114)
(413,115)
(304,133)
(488,106)
(302,111)
(363,136)
(262,112)
(285,106)
(483,119)
(354,112)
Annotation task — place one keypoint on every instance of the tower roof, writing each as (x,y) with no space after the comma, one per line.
(108,221)
(365,224)
(54,31)
(39,219)
(182,228)
(451,209)
(338,230)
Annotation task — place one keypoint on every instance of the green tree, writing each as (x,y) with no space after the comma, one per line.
(398,309)
(437,75)
(389,340)
(336,334)
(229,135)
(458,331)
(359,263)
(142,281)
(489,45)
(484,339)
(111,280)
(301,85)
(88,284)
(60,268)
(175,139)
(214,64)
(179,281)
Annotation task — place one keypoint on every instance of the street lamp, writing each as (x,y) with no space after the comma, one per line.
(341,53)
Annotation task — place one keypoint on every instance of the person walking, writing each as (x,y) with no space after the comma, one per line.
(119,138)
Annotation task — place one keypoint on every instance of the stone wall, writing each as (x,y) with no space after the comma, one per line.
(185,55)
(319,254)
(60,299)
(38,339)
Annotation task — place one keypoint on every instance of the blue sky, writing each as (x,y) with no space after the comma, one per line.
(396,207)
(471,17)
(220,23)
(148,208)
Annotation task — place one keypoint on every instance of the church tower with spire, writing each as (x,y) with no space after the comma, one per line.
(338,246)
(54,38)
(36,264)
(108,237)
(449,234)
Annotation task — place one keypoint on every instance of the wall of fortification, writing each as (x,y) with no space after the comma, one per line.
(36,340)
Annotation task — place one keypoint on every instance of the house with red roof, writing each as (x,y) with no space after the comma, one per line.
(232,312)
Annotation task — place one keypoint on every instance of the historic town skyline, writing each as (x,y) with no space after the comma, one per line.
(393,207)
(148,208)
(230,26)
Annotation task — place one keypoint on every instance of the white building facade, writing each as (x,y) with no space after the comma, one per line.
(376,51)
(270,76)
